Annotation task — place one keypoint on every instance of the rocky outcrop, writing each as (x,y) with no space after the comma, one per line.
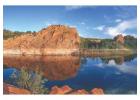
(81,91)
(119,38)
(97,91)
(55,39)
(60,90)
(68,90)
(10,89)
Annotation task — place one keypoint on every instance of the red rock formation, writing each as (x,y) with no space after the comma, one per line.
(67,90)
(63,90)
(97,91)
(82,91)
(10,89)
(56,39)
(119,38)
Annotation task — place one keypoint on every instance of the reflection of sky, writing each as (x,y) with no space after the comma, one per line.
(112,77)
(125,67)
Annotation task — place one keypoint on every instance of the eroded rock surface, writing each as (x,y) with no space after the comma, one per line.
(55,39)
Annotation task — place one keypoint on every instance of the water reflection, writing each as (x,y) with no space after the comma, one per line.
(117,59)
(52,67)
(30,80)
(114,74)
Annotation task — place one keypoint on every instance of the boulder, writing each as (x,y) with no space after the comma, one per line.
(10,89)
(62,90)
(97,91)
(81,91)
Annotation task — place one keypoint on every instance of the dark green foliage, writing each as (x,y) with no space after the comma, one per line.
(130,42)
(100,44)
(10,34)
(91,43)
(110,44)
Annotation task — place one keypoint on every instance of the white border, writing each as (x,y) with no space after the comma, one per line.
(138,49)
(1,48)
(70,2)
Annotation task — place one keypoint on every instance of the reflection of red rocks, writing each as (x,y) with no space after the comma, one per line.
(52,67)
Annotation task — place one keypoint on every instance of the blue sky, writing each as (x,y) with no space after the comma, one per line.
(90,21)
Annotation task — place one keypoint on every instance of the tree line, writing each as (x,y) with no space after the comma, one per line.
(130,42)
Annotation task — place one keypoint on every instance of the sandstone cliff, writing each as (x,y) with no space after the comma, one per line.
(55,39)
(120,39)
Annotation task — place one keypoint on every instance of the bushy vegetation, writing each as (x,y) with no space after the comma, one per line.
(99,43)
(130,42)
(10,34)
(32,81)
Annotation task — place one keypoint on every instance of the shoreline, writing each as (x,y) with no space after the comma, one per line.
(40,52)
(106,52)
(73,52)
(55,90)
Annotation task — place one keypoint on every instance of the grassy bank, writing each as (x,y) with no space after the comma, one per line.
(104,52)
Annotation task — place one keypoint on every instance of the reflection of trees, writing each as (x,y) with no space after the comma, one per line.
(118,59)
(130,57)
(29,80)
(52,67)
(83,60)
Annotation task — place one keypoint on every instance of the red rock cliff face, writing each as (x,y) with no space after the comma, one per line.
(55,39)
(119,38)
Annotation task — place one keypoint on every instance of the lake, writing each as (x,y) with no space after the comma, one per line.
(114,74)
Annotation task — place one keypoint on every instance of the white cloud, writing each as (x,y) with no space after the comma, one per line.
(78,7)
(123,68)
(121,27)
(118,20)
(82,23)
(73,7)
(132,34)
(99,28)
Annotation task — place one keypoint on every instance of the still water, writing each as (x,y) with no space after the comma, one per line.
(114,74)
